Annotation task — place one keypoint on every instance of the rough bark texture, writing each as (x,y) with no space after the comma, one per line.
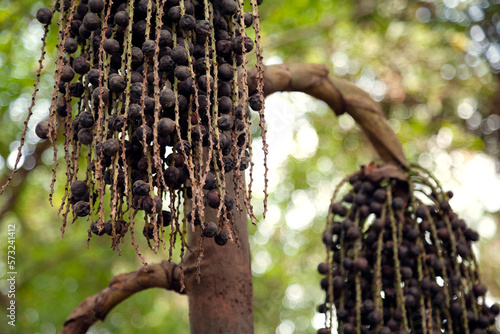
(222,302)
(164,275)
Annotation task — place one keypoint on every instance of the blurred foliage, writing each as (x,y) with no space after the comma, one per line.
(432,65)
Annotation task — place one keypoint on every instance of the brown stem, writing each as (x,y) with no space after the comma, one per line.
(164,275)
(341,96)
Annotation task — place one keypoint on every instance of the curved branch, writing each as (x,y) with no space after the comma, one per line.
(341,96)
(164,275)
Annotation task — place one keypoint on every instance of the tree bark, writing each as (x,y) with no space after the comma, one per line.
(165,275)
(222,301)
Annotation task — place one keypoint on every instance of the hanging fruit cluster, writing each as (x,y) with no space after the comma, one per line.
(400,260)
(152,97)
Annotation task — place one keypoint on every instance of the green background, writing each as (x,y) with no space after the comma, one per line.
(424,61)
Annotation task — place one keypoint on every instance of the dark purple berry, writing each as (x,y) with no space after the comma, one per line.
(148,48)
(187,22)
(221,238)
(96,6)
(111,46)
(116,83)
(182,73)
(179,55)
(240,42)
(174,14)
(44,15)
(121,18)
(213,198)
(167,98)
(110,147)
(81,208)
(71,45)
(140,188)
(398,203)
(479,290)
(79,189)
(42,129)
(81,65)
(85,136)
(210,229)
(149,204)
(91,22)
(86,119)
(67,73)
(166,126)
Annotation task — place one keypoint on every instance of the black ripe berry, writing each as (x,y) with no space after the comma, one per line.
(165,38)
(338,209)
(96,6)
(79,189)
(111,46)
(471,235)
(85,136)
(225,123)
(398,203)
(86,119)
(203,28)
(179,55)
(67,73)
(44,15)
(110,147)
(171,175)
(167,217)
(117,84)
(479,290)
(213,198)
(100,93)
(421,212)
(225,72)
(242,42)
(228,202)
(81,65)
(187,22)
(210,229)
(121,18)
(166,126)
(167,98)
(140,188)
(82,208)
(93,76)
(42,129)
(97,229)
(148,48)
(255,102)
(137,56)
(182,73)
(91,22)
(380,195)
(71,45)
(183,146)
(149,204)
(221,238)
(323,268)
(225,105)
(174,14)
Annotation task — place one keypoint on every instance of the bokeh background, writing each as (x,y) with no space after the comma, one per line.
(433,65)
